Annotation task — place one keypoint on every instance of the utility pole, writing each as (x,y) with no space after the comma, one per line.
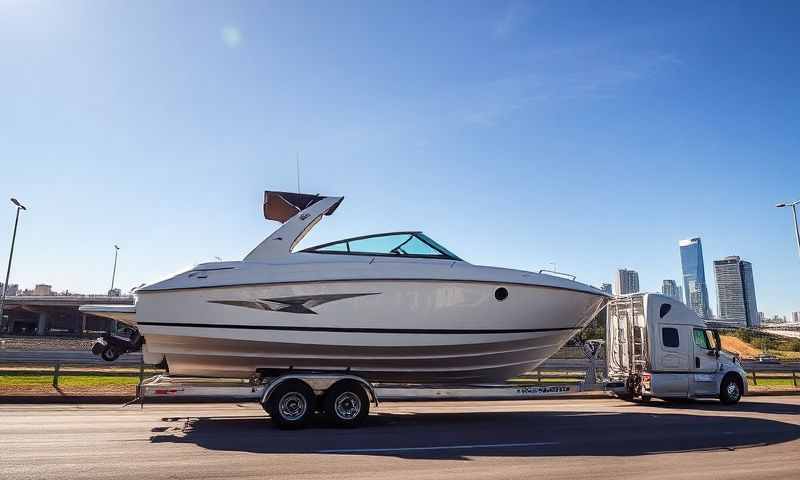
(794,214)
(20,206)
(114,273)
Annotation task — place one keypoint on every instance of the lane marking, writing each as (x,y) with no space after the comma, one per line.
(443,447)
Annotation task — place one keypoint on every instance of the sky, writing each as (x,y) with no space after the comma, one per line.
(585,136)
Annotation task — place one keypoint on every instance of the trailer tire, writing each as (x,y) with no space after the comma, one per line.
(646,398)
(730,389)
(291,404)
(346,404)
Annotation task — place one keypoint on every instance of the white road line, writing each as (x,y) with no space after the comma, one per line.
(443,447)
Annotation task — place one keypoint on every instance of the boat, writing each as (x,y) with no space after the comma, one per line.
(392,307)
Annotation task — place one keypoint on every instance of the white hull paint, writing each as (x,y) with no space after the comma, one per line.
(415,331)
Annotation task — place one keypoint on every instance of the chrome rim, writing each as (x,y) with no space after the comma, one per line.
(347,405)
(732,390)
(292,406)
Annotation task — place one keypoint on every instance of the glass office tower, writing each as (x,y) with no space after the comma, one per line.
(694,277)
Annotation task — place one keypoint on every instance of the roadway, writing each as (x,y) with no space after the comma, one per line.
(592,439)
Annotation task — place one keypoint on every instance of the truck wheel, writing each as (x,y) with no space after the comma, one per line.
(109,354)
(730,390)
(291,404)
(646,398)
(346,404)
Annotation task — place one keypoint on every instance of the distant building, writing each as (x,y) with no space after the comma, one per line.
(761,317)
(736,296)
(626,281)
(43,289)
(670,288)
(12,290)
(606,287)
(795,317)
(114,292)
(694,276)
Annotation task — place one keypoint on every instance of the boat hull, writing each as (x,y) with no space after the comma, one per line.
(411,331)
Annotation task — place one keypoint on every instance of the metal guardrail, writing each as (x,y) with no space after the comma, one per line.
(552,369)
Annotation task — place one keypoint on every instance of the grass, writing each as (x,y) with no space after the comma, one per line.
(770,381)
(23,379)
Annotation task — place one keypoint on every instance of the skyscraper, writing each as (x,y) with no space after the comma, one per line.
(795,317)
(694,276)
(626,281)
(670,288)
(606,287)
(736,295)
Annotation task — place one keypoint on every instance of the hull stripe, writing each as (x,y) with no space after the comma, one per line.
(423,331)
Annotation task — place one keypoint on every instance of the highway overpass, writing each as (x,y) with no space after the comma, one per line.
(58,314)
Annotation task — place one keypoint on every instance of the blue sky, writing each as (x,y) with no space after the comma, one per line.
(591,135)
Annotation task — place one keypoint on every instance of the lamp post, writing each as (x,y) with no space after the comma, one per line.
(794,213)
(114,272)
(10,257)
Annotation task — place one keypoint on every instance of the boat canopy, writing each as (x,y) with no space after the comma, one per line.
(281,206)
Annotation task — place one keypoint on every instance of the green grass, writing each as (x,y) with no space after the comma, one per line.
(770,382)
(19,379)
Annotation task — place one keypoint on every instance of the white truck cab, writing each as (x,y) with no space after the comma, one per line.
(658,347)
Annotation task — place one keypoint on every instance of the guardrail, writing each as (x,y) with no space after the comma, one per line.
(554,369)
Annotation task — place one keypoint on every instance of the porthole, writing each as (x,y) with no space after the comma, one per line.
(500,294)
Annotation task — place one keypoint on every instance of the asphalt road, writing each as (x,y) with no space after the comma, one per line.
(758,439)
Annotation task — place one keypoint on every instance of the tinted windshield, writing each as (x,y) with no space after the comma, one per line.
(412,244)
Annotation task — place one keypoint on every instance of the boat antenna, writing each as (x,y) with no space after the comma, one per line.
(298,172)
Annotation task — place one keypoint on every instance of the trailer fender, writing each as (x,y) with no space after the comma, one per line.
(319,383)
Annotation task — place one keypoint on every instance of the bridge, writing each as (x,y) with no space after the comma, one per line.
(58,314)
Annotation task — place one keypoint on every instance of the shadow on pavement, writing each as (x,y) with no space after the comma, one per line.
(749,406)
(528,434)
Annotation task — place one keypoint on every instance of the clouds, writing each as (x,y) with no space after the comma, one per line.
(562,75)
(513,18)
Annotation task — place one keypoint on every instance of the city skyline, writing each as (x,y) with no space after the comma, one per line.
(736,298)
(626,281)
(695,286)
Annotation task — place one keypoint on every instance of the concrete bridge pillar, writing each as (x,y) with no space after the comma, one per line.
(41,329)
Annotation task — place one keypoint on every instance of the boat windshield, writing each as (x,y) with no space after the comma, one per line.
(408,244)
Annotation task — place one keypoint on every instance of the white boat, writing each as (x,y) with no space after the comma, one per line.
(392,307)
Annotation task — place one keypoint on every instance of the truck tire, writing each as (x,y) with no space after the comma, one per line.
(730,390)
(346,404)
(291,404)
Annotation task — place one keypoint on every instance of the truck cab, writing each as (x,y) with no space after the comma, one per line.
(658,347)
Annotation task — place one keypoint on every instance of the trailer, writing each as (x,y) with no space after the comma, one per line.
(293,398)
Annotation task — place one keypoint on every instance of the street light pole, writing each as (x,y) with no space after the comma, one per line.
(114,273)
(794,214)
(10,257)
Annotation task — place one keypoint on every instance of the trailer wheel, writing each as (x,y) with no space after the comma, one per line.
(346,404)
(291,404)
(109,354)
(730,390)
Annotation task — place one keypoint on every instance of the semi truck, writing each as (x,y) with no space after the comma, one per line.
(658,347)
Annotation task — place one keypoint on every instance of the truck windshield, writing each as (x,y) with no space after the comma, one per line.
(701,339)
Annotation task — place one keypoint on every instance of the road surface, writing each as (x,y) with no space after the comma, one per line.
(592,439)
